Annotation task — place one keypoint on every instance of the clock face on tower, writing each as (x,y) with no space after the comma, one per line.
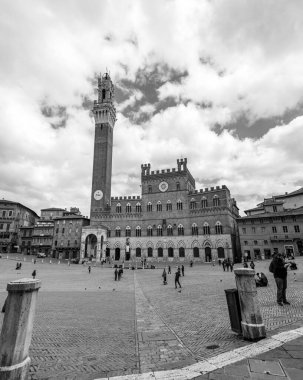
(98,195)
(163,186)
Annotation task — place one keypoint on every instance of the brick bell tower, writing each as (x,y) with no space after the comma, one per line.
(105,118)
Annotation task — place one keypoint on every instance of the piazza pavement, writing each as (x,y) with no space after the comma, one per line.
(88,326)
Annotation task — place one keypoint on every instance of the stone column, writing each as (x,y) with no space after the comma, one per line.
(252,324)
(17,328)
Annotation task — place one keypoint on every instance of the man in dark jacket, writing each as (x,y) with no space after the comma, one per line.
(279,270)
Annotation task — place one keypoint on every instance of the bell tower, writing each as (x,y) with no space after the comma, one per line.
(105,118)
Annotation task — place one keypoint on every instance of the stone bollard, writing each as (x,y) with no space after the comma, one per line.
(252,323)
(16,333)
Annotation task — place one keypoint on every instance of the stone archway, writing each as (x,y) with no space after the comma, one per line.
(90,246)
(208,256)
(117,253)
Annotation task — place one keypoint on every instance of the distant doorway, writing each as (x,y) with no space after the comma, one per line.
(117,254)
(91,246)
(208,254)
(220,253)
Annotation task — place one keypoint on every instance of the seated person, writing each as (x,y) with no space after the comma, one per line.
(261,279)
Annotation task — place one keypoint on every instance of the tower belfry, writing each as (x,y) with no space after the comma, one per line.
(105,118)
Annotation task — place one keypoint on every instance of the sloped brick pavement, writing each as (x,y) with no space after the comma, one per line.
(89,326)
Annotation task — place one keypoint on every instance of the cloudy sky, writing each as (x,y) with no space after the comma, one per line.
(219,82)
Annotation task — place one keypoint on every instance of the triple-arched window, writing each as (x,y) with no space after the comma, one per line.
(169,230)
(180,230)
(128,208)
(193,204)
(206,229)
(219,228)
(118,231)
(168,206)
(138,231)
(179,205)
(149,231)
(118,208)
(203,202)
(159,230)
(128,231)
(159,206)
(194,229)
(149,207)
(138,207)
(216,201)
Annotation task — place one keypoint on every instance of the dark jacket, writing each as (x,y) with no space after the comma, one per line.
(277,267)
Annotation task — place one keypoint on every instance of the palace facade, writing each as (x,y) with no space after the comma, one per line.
(170,220)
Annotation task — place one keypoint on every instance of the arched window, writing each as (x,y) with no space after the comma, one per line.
(168,206)
(194,229)
(181,252)
(150,189)
(149,252)
(108,233)
(178,185)
(216,201)
(206,229)
(221,254)
(149,207)
(118,231)
(193,204)
(128,208)
(138,231)
(127,231)
(179,205)
(159,206)
(159,231)
(138,207)
(149,231)
(118,208)
(203,202)
(103,94)
(169,230)
(219,228)
(196,252)
(138,252)
(180,230)
(170,252)
(160,252)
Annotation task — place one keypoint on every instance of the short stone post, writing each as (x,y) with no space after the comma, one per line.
(252,323)
(16,333)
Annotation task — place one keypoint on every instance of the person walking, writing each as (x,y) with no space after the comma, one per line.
(169,270)
(164,277)
(182,270)
(279,270)
(228,264)
(177,278)
(89,269)
(34,273)
(224,265)
(116,274)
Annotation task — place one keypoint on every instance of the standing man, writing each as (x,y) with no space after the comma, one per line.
(89,269)
(169,270)
(116,274)
(177,278)
(279,270)
(182,270)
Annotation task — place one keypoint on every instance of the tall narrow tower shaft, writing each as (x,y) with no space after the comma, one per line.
(105,117)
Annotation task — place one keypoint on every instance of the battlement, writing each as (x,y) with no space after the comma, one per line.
(181,167)
(130,197)
(208,190)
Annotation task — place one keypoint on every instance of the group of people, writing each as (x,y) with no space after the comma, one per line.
(227,264)
(177,275)
(118,273)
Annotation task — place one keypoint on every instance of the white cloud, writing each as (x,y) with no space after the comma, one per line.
(51,50)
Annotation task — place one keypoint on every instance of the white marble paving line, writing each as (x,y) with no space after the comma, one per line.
(219,361)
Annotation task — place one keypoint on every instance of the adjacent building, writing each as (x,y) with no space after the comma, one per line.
(275,225)
(13,216)
(169,220)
